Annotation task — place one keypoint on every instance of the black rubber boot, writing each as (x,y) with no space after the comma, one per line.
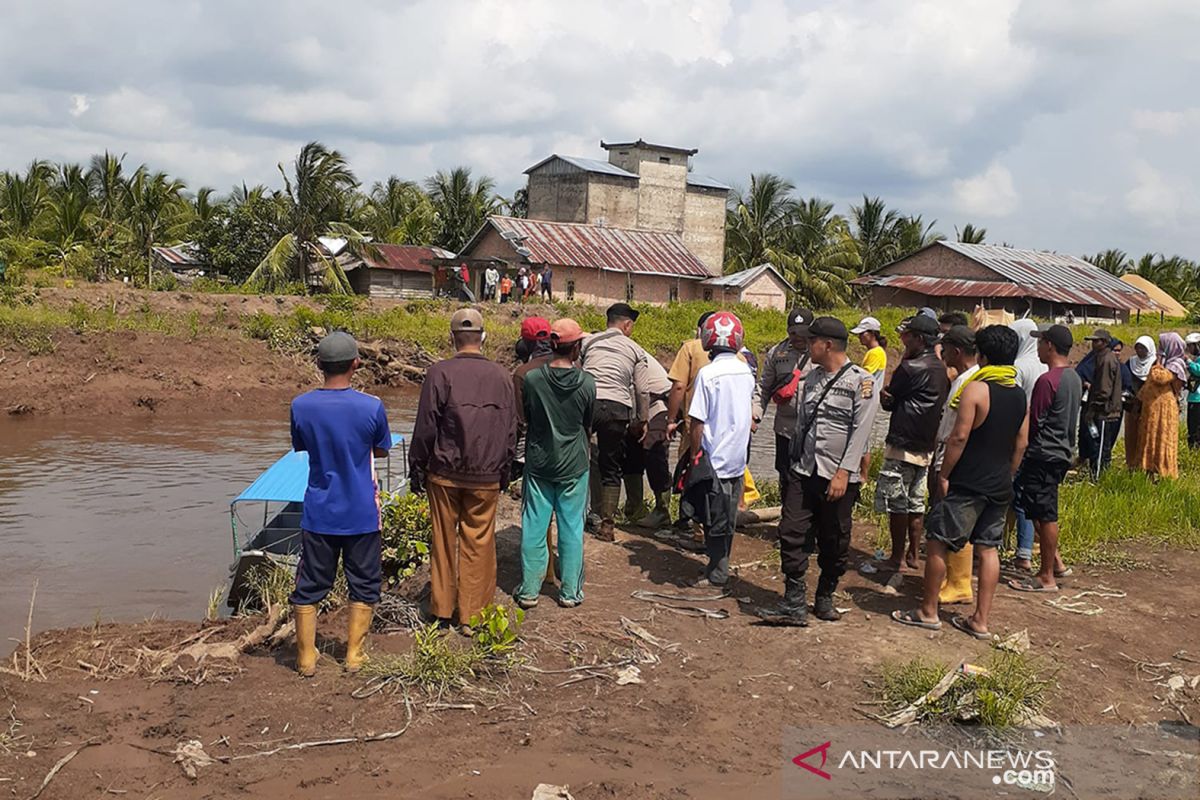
(792,609)
(823,608)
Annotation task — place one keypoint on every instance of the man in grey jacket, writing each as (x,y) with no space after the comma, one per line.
(782,371)
(833,429)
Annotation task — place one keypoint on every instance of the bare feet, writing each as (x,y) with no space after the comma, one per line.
(913,561)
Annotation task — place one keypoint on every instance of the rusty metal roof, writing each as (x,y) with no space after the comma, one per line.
(404,257)
(571,244)
(1029,273)
(179,255)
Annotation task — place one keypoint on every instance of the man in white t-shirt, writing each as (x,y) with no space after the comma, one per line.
(721,416)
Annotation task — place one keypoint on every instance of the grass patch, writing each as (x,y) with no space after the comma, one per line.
(1097,518)
(1010,686)
(439,665)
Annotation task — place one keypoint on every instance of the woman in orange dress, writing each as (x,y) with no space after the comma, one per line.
(1158,434)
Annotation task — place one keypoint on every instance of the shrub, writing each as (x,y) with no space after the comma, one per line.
(259,325)
(496,629)
(407,532)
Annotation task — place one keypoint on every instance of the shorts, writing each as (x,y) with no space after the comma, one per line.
(1037,488)
(900,488)
(961,518)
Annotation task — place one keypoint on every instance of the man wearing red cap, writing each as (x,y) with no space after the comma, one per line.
(558,403)
(533,350)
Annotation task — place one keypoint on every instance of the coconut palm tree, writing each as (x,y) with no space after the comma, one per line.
(758,220)
(462,205)
(105,175)
(970,234)
(24,198)
(1113,261)
(400,213)
(911,234)
(874,226)
(820,256)
(155,205)
(71,210)
(317,200)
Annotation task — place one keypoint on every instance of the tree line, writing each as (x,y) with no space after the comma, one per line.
(102,221)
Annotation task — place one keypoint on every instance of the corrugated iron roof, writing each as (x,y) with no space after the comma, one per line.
(705,182)
(587,165)
(957,287)
(1035,267)
(571,244)
(286,480)
(691,151)
(405,257)
(1030,273)
(745,277)
(183,255)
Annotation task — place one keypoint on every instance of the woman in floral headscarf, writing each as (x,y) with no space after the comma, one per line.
(1158,433)
(1145,356)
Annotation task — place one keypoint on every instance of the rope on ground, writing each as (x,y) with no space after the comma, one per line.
(394,613)
(670,601)
(1075,604)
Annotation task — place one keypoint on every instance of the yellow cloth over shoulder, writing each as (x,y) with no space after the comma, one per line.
(1005,376)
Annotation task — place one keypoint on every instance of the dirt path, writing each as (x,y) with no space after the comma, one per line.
(707,722)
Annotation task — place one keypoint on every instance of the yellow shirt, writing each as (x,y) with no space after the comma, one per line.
(875,361)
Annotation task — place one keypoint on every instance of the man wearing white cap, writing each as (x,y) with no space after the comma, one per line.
(875,361)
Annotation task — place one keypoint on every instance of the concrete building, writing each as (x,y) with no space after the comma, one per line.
(760,286)
(952,276)
(641,186)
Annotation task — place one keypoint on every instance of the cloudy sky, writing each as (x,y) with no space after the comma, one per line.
(1057,124)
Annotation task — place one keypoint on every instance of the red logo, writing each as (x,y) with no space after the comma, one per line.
(823,749)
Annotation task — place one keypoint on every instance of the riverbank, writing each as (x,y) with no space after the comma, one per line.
(705,679)
(110,349)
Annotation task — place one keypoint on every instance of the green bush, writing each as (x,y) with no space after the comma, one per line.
(407,532)
(259,325)
(496,629)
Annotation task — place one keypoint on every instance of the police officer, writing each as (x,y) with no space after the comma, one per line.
(833,429)
(781,374)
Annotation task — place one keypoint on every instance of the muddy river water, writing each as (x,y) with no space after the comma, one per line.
(125,518)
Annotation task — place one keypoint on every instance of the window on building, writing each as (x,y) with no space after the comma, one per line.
(570,290)
(707,295)
(664,159)
(673,294)
(629,289)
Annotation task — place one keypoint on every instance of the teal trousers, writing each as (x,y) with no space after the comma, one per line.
(567,500)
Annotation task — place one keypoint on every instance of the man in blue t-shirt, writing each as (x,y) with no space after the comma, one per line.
(342,430)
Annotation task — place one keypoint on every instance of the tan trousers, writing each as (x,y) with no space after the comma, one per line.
(463,553)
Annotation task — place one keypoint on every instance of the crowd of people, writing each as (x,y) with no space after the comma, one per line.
(983,424)
(529,284)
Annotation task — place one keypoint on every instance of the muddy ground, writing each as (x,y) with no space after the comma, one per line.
(707,722)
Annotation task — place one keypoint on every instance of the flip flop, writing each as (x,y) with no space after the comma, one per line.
(1030,584)
(963,624)
(1066,573)
(910,618)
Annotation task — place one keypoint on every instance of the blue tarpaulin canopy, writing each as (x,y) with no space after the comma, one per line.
(285,480)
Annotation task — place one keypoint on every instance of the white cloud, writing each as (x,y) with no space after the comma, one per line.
(988,195)
(79,105)
(942,107)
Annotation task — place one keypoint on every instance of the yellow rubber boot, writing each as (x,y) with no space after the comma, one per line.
(360,623)
(956,588)
(306,640)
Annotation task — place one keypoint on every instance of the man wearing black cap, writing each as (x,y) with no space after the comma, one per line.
(782,372)
(914,396)
(835,411)
(620,368)
(1102,414)
(1053,415)
(342,430)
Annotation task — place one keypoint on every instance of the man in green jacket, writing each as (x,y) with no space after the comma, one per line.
(558,398)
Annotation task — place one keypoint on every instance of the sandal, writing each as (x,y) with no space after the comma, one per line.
(911,618)
(1064,573)
(1030,584)
(964,624)
(526,602)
